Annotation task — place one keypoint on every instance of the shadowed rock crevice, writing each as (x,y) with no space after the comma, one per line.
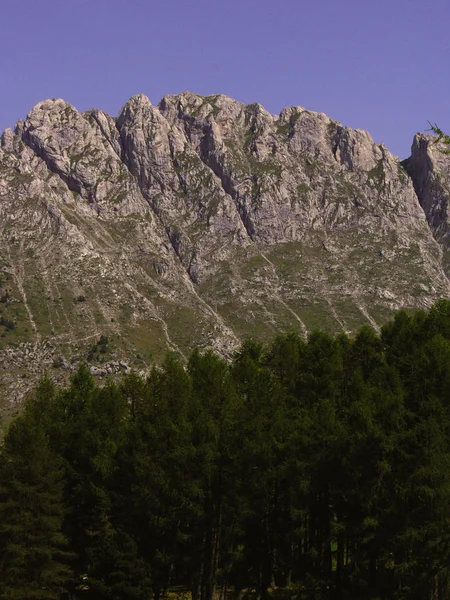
(429,170)
(211,156)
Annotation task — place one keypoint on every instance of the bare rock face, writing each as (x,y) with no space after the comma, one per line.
(198,216)
(429,169)
(202,221)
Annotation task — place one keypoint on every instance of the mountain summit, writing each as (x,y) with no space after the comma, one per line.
(202,221)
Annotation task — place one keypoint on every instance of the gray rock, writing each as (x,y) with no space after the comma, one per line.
(429,169)
(202,221)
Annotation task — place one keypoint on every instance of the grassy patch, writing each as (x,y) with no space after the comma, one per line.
(376,177)
(284,130)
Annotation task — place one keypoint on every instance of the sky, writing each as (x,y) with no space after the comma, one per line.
(382,66)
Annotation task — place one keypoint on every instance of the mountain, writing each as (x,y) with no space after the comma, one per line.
(202,221)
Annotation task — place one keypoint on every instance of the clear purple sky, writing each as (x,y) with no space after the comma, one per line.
(380,65)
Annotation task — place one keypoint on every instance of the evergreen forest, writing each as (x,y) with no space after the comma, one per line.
(302,470)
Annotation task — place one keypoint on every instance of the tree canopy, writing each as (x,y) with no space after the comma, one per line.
(301,469)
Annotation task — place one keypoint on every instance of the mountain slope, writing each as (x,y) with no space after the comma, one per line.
(200,222)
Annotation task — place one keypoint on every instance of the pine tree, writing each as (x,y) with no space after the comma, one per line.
(216,405)
(162,481)
(34,556)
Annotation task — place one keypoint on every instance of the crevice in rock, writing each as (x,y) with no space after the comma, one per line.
(174,237)
(72,183)
(245,218)
(210,159)
(107,136)
(434,219)
(432,195)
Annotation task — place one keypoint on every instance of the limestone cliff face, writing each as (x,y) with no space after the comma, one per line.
(201,221)
(429,169)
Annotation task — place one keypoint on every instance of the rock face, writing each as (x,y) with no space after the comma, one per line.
(429,169)
(203,221)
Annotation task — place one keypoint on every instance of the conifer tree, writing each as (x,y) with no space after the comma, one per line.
(34,554)
(216,406)
(163,484)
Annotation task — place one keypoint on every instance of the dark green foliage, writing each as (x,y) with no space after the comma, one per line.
(100,347)
(5,297)
(314,468)
(442,139)
(8,323)
(34,556)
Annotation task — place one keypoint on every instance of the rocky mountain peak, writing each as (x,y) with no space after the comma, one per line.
(202,220)
(429,170)
(7,140)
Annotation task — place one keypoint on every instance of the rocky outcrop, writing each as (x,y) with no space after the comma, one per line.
(199,217)
(202,221)
(429,169)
